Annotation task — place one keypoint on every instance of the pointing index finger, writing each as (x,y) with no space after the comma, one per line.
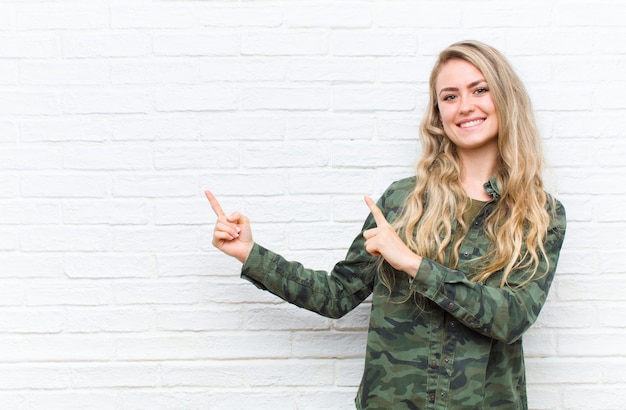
(376,212)
(217,208)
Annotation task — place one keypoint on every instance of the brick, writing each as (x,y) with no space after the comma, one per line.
(285,98)
(71,400)
(144,292)
(140,185)
(330,127)
(262,183)
(612,397)
(29,45)
(161,16)
(12,293)
(520,15)
(93,266)
(286,155)
(154,72)
(67,293)
(198,98)
(188,212)
(9,72)
(98,156)
(291,42)
(419,14)
(161,239)
(21,265)
(115,375)
(118,212)
(228,127)
(285,209)
(604,13)
(555,371)
(374,43)
(320,398)
(331,182)
(242,70)
(282,317)
(116,101)
(396,128)
(350,70)
(212,44)
(74,348)
(21,212)
(58,239)
(356,320)
(156,129)
(329,14)
(259,399)
(163,400)
(29,321)
(34,377)
(99,319)
(361,154)
(329,345)
(196,264)
(30,103)
(63,17)
(32,157)
(236,15)
(173,157)
(350,209)
(576,344)
(66,128)
(349,372)
(373,99)
(105,44)
(185,319)
(321,236)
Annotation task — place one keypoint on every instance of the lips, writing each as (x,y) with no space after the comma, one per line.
(471,123)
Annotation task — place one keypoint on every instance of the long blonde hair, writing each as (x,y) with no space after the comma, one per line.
(518,224)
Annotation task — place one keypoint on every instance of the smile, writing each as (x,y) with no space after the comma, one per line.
(471,123)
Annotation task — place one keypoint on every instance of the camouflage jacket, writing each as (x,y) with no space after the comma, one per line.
(458,346)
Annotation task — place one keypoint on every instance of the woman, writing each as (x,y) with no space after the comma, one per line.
(459,258)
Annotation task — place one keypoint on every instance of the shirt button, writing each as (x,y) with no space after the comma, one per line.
(433,364)
(436,329)
(452,324)
(450,305)
(447,360)
(443,393)
(466,254)
(431,399)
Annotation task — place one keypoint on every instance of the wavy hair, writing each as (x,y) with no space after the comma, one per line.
(518,225)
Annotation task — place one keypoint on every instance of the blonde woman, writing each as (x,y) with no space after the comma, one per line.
(458,259)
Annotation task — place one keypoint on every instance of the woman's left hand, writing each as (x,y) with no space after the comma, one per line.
(384,241)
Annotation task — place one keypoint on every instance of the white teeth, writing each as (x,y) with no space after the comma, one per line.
(471,123)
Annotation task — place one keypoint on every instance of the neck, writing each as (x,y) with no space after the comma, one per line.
(476,169)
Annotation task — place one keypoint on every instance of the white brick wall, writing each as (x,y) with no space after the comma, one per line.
(116,115)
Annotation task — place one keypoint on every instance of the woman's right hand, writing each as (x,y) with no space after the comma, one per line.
(232,234)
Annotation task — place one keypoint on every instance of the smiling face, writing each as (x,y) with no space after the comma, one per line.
(466,107)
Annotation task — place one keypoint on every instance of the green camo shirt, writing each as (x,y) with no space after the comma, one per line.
(458,347)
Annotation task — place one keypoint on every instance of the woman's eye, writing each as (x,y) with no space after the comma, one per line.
(449,97)
(481,90)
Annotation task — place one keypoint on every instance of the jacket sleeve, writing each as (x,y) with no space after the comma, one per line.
(502,313)
(329,294)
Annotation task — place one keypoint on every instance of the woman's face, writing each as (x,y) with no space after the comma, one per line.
(466,107)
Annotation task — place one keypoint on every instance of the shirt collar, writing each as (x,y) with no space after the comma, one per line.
(492,188)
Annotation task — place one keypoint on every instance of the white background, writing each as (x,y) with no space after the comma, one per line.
(116,115)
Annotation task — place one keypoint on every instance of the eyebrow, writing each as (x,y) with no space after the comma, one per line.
(470,85)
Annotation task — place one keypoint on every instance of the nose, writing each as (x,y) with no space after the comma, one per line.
(466,106)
